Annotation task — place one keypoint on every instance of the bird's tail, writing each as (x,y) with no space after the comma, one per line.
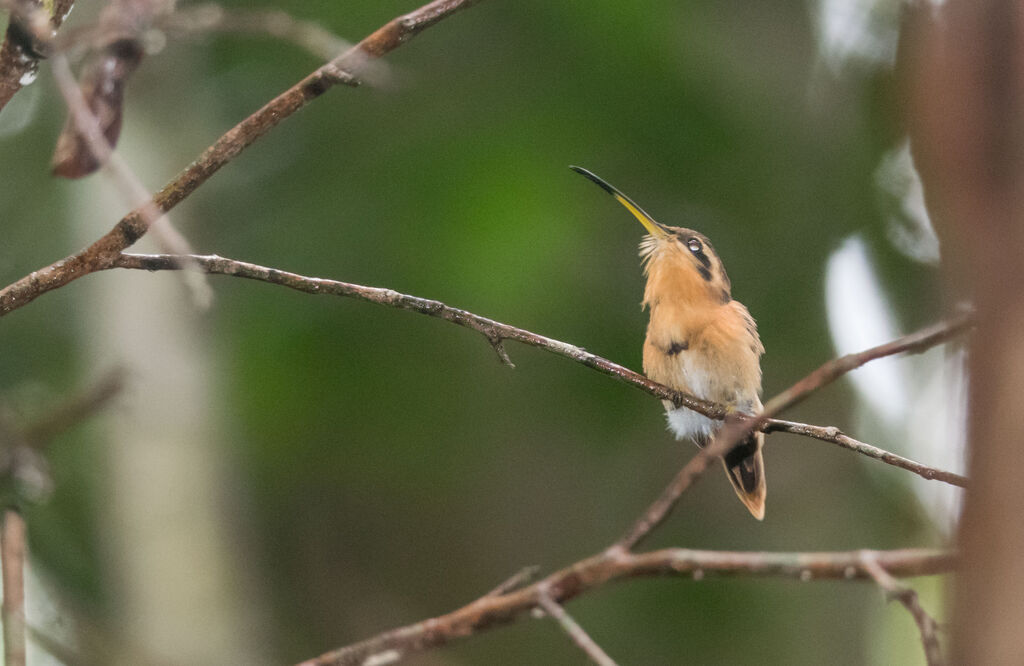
(744,466)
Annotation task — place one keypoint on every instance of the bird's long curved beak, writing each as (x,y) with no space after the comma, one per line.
(654,228)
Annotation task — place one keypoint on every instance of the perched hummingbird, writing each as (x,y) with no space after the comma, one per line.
(700,341)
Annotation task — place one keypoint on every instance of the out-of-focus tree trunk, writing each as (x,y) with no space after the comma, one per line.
(178,580)
(965,67)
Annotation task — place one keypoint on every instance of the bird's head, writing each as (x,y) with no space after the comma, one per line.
(679,263)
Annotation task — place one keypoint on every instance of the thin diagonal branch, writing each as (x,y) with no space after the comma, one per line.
(491,329)
(836,436)
(104,252)
(497,331)
(894,589)
(489,611)
(578,635)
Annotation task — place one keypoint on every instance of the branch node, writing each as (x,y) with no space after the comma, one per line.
(617,552)
(498,343)
(571,627)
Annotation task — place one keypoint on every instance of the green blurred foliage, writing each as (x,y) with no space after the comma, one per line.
(389,467)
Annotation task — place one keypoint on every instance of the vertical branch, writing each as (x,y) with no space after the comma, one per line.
(965,62)
(12,563)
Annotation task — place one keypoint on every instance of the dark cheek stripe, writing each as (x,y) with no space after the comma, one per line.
(704,273)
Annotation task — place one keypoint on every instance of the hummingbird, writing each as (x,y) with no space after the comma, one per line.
(699,341)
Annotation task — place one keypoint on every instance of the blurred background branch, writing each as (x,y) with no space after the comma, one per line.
(20,51)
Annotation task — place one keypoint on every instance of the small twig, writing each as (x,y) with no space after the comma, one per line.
(12,563)
(488,611)
(571,627)
(894,589)
(499,347)
(517,579)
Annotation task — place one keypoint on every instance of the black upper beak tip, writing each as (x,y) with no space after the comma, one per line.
(594,178)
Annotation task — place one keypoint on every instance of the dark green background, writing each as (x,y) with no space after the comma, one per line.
(388,467)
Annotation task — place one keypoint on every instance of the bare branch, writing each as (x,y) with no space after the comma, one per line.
(490,611)
(894,589)
(489,328)
(573,629)
(494,330)
(12,562)
(836,436)
(104,252)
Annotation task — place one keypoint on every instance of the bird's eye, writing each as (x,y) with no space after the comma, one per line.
(694,245)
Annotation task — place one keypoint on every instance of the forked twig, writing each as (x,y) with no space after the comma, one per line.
(578,635)
(894,589)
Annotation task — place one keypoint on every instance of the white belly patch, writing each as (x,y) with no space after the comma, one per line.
(688,423)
